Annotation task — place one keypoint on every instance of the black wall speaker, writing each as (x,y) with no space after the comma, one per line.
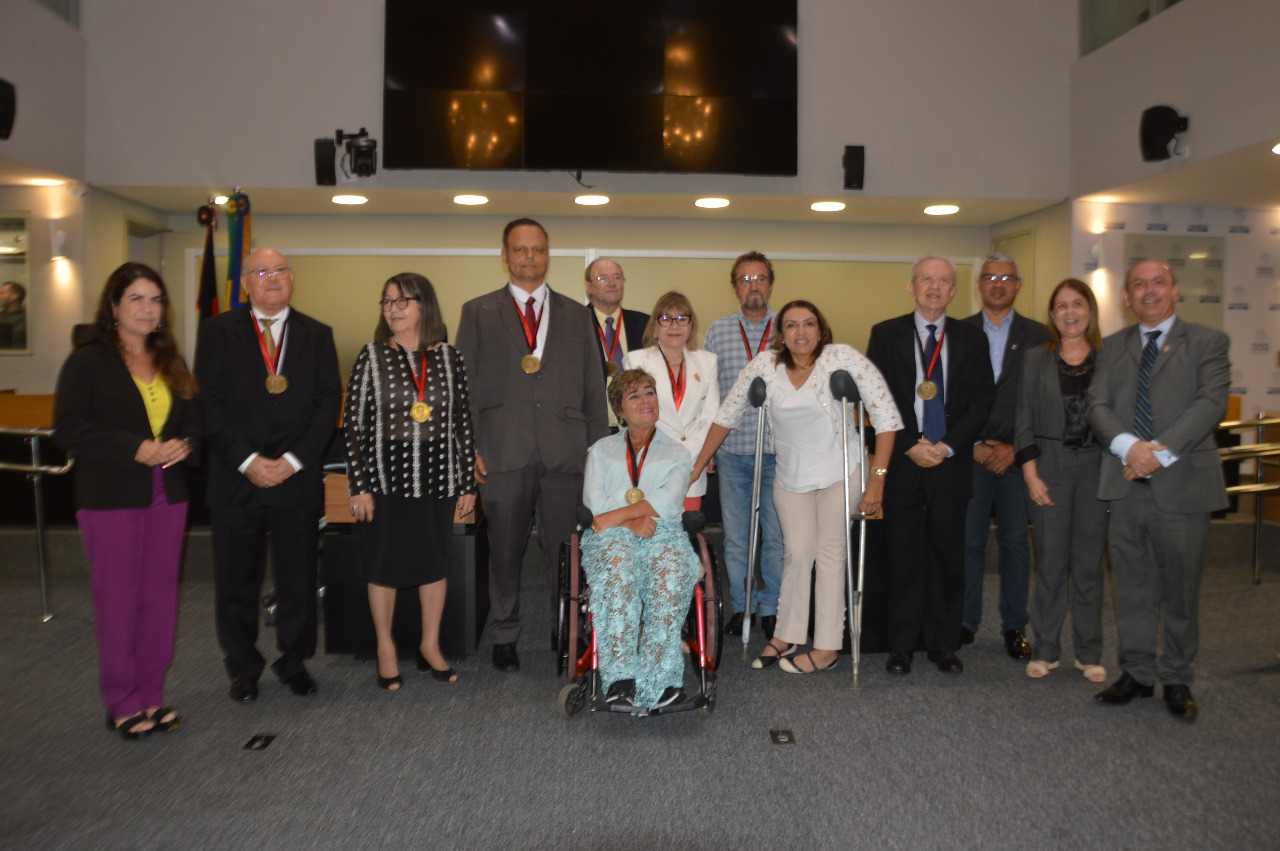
(326,174)
(855,160)
(8,106)
(1159,125)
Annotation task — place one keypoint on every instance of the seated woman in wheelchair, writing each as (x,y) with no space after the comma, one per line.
(637,557)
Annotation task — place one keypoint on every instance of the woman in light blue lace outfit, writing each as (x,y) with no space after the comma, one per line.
(640,566)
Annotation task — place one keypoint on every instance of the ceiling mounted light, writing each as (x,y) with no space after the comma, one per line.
(349,199)
(470,200)
(827,206)
(591,200)
(941,210)
(45,181)
(711,203)
(220,199)
(1276,149)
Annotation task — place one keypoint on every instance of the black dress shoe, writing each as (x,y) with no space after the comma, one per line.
(734,626)
(505,658)
(768,623)
(1181,705)
(244,689)
(1124,690)
(1016,644)
(899,663)
(301,684)
(621,692)
(966,635)
(948,663)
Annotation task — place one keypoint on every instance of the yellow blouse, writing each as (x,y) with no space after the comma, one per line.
(158,399)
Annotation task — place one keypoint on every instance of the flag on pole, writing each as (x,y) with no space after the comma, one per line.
(207,301)
(238,235)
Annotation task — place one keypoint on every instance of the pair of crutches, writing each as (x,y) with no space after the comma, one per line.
(845,390)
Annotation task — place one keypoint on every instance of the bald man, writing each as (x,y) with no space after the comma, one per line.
(270,393)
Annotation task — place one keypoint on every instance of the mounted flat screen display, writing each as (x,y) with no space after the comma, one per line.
(665,86)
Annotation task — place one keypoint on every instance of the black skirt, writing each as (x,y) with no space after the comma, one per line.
(407,544)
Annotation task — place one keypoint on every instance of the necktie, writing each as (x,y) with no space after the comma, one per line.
(1143,424)
(532,321)
(935,409)
(611,337)
(268,337)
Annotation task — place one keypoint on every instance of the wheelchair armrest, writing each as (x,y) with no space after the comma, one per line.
(693,521)
(584,517)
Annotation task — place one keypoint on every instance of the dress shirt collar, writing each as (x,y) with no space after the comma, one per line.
(522,297)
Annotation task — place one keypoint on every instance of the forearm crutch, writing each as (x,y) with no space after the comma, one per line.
(845,389)
(755,395)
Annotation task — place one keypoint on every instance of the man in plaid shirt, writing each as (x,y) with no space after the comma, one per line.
(736,339)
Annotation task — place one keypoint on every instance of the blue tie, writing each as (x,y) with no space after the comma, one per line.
(935,409)
(1143,423)
(610,335)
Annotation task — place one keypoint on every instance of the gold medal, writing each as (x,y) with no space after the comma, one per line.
(530,364)
(611,367)
(927,390)
(421,412)
(277,384)
(634,495)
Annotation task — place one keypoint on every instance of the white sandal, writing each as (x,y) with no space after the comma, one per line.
(1038,668)
(1093,673)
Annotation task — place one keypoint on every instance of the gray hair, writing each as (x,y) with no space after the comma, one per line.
(929,257)
(1001,257)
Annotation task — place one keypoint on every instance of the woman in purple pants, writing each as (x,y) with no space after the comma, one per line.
(125,410)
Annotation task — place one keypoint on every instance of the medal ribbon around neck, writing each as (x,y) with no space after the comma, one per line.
(608,352)
(937,350)
(763,339)
(677,382)
(634,465)
(420,412)
(272,363)
(530,336)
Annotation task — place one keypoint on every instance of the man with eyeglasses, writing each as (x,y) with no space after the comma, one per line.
(997,481)
(734,340)
(537,402)
(270,393)
(605,286)
(940,376)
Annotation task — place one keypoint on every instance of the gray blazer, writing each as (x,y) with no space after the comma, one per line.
(553,414)
(1189,384)
(1040,422)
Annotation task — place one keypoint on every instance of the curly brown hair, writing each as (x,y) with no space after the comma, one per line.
(623,383)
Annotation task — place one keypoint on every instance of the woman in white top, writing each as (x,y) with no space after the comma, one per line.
(805,423)
(686,378)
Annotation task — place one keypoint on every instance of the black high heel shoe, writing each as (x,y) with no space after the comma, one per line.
(125,727)
(447,676)
(388,682)
(163,726)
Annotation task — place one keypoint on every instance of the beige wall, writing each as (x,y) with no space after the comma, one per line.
(1047,234)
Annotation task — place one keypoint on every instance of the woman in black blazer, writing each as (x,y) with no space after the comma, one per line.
(1061,460)
(125,411)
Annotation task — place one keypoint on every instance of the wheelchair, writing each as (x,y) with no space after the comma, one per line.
(576,640)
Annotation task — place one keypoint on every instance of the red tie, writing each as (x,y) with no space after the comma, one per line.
(530,318)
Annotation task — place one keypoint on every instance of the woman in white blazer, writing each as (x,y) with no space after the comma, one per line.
(686,378)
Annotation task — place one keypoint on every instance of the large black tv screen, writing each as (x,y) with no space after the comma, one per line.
(676,86)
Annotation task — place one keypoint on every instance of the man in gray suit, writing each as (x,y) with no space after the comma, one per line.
(537,401)
(997,481)
(1159,391)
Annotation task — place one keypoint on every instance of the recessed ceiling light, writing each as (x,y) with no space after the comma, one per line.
(1276,149)
(470,200)
(220,199)
(941,210)
(591,200)
(349,199)
(827,206)
(9,249)
(45,181)
(711,203)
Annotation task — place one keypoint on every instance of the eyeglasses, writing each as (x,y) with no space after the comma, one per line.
(268,273)
(680,319)
(748,280)
(609,279)
(1004,279)
(400,303)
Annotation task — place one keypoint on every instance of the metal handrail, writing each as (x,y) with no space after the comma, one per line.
(1259,452)
(35,474)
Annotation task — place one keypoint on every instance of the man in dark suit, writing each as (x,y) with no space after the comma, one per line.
(1159,392)
(537,397)
(270,393)
(940,376)
(605,286)
(997,481)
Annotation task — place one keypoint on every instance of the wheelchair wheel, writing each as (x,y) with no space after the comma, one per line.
(562,649)
(572,700)
(710,695)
